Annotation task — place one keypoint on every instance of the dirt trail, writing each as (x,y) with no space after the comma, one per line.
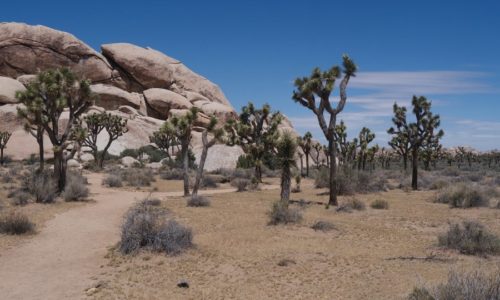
(60,260)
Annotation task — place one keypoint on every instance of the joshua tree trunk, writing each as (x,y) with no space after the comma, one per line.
(60,170)
(405,161)
(41,155)
(103,154)
(333,173)
(1,156)
(258,170)
(185,159)
(414,176)
(301,166)
(307,164)
(203,158)
(286,179)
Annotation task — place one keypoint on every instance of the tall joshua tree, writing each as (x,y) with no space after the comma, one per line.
(217,135)
(256,132)
(305,143)
(286,158)
(181,127)
(4,139)
(365,138)
(420,132)
(400,141)
(45,99)
(314,92)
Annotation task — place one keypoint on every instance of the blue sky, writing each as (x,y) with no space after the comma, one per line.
(448,51)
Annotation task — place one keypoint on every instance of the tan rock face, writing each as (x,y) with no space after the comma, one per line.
(26,49)
(162,101)
(148,68)
(111,97)
(8,89)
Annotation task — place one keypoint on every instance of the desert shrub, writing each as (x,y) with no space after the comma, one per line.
(41,185)
(496,181)
(19,197)
(475,176)
(350,182)
(498,205)
(15,223)
(367,182)
(350,205)
(76,187)
(240,184)
(198,201)
(470,238)
(6,177)
(130,152)
(151,202)
(269,172)
(112,180)
(474,285)
(173,238)
(172,174)
(451,172)
(323,226)
(321,178)
(137,177)
(439,184)
(245,162)
(463,196)
(379,204)
(154,154)
(209,181)
(145,226)
(280,214)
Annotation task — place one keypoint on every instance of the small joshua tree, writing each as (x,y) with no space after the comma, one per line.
(256,132)
(286,158)
(95,123)
(365,138)
(305,143)
(419,133)
(36,130)
(319,86)
(44,101)
(4,139)
(400,141)
(181,127)
(217,134)
(165,141)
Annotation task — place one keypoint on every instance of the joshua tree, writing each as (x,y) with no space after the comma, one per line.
(305,143)
(36,130)
(400,141)
(365,138)
(4,139)
(165,140)
(217,134)
(286,157)
(95,123)
(420,132)
(45,99)
(181,127)
(342,143)
(256,132)
(319,86)
(318,148)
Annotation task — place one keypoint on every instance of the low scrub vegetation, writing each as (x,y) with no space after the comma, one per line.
(137,177)
(40,185)
(474,285)
(281,214)
(464,196)
(379,204)
(240,184)
(112,180)
(198,201)
(350,205)
(146,226)
(15,223)
(323,226)
(350,182)
(470,238)
(76,187)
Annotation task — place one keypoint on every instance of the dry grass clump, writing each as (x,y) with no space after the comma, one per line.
(137,177)
(350,205)
(350,182)
(112,180)
(323,226)
(474,285)
(76,187)
(172,174)
(379,204)
(470,238)
(15,223)
(241,184)
(464,196)
(198,201)
(19,197)
(209,181)
(281,214)
(146,226)
(39,184)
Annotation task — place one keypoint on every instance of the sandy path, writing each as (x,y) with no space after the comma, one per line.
(59,261)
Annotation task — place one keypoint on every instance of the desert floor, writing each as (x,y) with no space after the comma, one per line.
(236,254)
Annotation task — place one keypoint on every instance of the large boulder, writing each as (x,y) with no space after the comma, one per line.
(147,68)
(162,101)
(221,111)
(8,89)
(218,156)
(26,49)
(111,97)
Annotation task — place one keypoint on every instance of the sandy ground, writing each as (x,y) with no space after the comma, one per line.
(237,254)
(61,261)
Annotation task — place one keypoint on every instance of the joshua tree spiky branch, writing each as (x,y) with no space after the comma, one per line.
(4,139)
(287,148)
